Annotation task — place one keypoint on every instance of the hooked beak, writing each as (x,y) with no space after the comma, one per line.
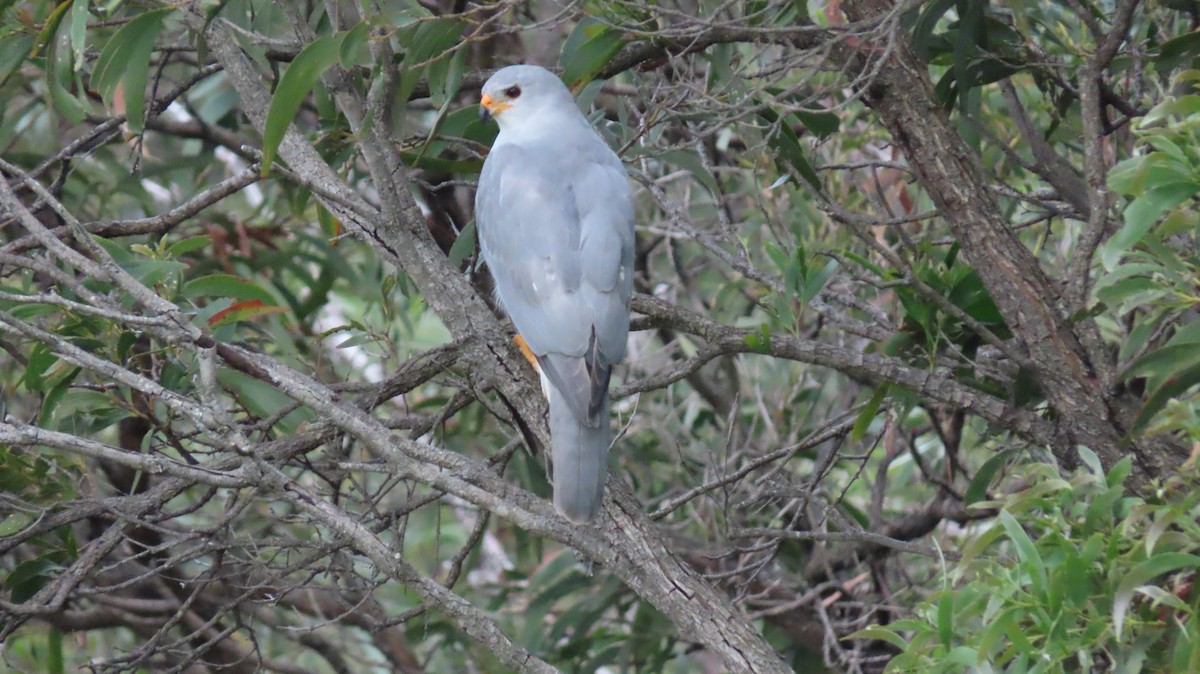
(489,107)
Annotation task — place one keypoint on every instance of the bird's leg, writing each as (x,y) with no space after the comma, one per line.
(528,353)
(520,342)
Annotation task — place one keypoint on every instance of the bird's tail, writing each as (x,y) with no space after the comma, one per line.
(580,453)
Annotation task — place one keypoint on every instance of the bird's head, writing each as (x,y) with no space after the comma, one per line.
(519,93)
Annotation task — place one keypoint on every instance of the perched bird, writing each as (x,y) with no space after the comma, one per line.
(555,220)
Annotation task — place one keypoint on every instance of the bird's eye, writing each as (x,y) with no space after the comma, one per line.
(512,92)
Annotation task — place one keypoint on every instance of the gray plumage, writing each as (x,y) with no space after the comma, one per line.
(555,220)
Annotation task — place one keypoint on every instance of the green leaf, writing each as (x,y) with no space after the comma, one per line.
(916,309)
(816,280)
(1120,472)
(330,225)
(465,123)
(878,633)
(1026,550)
(445,77)
(1000,633)
(761,340)
(1137,338)
(226,285)
(13,52)
(431,39)
(863,262)
(352,43)
(14,523)
(787,144)
(1173,52)
(125,61)
(963,656)
(970,295)
(587,50)
(820,123)
(78,31)
(922,32)
(1187,334)
(464,245)
(1167,147)
(1175,385)
(977,489)
(1137,290)
(120,253)
(967,40)
(1125,271)
(59,79)
(29,577)
(1076,576)
(867,415)
(46,34)
(1158,595)
(294,86)
(945,618)
(1089,459)
(422,42)
(54,396)
(690,161)
(781,259)
(1164,362)
(1141,214)
(1143,573)
(192,243)
(262,399)
(40,361)
(54,652)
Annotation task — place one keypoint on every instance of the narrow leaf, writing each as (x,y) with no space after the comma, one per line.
(1164,362)
(225,285)
(13,52)
(125,61)
(352,43)
(1174,386)
(1026,550)
(867,415)
(78,31)
(46,34)
(583,59)
(786,143)
(977,489)
(820,123)
(464,245)
(1141,214)
(1142,574)
(879,633)
(243,311)
(294,86)
(54,652)
(815,281)
(945,618)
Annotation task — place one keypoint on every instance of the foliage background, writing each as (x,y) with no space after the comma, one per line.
(912,382)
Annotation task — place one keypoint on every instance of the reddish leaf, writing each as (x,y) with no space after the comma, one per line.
(242,311)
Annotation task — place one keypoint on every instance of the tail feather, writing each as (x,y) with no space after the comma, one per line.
(580,453)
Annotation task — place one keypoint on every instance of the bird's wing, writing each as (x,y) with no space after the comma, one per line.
(556,228)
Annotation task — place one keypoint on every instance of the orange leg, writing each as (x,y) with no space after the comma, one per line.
(520,342)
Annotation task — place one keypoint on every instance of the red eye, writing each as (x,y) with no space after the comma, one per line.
(512,92)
